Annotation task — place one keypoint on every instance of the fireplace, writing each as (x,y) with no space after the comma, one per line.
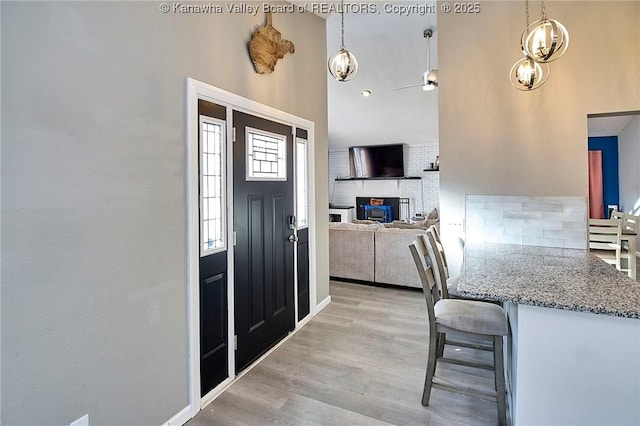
(382,209)
(380,213)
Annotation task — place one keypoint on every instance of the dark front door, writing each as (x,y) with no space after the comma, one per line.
(303,223)
(303,273)
(263,209)
(213,248)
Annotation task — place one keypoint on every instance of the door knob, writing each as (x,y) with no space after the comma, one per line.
(293,238)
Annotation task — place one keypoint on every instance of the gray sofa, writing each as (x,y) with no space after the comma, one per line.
(372,253)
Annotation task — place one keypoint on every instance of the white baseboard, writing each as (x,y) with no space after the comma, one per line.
(181,418)
(323,304)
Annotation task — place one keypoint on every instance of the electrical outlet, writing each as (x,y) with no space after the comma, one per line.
(82,421)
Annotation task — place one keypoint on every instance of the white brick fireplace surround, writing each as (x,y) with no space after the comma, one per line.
(423,194)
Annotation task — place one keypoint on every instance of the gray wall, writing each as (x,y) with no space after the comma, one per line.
(94,308)
(629,172)
(496,140)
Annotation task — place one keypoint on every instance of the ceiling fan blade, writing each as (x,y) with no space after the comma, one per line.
(407,87)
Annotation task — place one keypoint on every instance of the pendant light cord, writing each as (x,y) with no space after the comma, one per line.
(544,11)
(527,13)
(342,22)
(428,55)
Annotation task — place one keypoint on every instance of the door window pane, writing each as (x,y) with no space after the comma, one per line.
(266,155)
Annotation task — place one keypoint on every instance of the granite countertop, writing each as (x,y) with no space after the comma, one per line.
(549,277)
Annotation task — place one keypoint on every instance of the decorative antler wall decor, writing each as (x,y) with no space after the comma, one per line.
(267,46)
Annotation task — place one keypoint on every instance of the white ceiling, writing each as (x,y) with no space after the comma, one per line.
(391,52)
(608,126)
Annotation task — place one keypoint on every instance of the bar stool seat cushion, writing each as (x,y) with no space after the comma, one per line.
(471,316)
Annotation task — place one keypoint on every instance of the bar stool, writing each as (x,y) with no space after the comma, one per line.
(476,319)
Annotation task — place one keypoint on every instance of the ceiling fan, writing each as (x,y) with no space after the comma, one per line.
(430,76)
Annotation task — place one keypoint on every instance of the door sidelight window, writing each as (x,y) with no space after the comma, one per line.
(212,186)
(302,199)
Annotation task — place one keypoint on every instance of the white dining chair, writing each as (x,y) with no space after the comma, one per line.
(628,241)
(604,240)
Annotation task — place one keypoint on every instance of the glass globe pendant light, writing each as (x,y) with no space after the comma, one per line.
(545,40)
(527,74)
(343,65)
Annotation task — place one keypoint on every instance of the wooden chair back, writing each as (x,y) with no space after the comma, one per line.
(604,234)
(630,223)
(436,236)
(427,280)
(604,240)
(440,271)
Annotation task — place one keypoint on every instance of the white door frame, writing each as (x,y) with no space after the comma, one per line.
(195,90)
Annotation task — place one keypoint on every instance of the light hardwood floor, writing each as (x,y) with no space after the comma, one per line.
(361,361)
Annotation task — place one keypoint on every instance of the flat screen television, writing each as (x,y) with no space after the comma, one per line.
(376,161)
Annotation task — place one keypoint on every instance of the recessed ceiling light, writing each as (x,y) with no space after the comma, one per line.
(366,93)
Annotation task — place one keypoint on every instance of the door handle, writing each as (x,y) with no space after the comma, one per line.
(293,238)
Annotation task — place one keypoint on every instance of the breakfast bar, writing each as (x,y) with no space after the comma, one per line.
(573,356)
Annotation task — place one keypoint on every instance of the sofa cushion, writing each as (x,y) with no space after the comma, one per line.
(423,224)
(354,226)
(351,253)
(365,222)
(393,261)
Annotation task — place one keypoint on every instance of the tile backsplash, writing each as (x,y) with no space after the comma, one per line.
(533,221)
